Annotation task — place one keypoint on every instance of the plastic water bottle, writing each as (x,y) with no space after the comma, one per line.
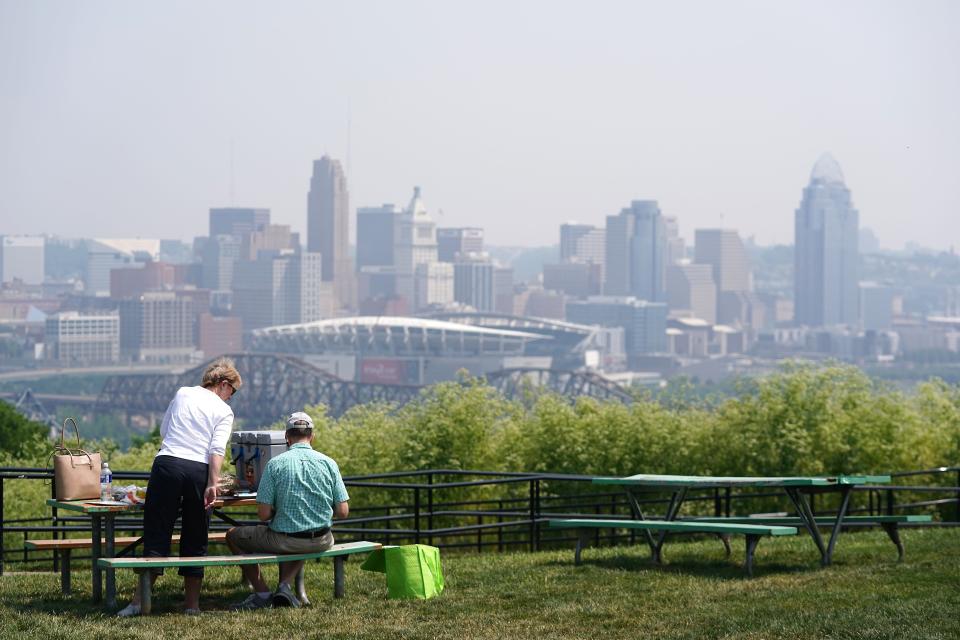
(106,482)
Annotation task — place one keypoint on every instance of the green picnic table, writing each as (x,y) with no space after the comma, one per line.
(797,488)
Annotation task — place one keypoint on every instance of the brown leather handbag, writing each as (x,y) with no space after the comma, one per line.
(76,472)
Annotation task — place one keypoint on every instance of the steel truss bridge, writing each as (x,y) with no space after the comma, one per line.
(274,385)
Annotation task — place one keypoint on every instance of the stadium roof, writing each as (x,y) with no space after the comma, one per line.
(391,335)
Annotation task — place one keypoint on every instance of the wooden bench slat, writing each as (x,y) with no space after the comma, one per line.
(676,525)
(87,543)
(346,548)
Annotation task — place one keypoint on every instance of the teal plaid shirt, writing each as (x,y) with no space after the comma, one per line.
(302,485)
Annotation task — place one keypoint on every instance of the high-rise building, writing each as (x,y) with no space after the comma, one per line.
(582,243)
(503,290)
(76,338)
(676,247)
(415,242)
(723,250)
(158,326)
(282,288)
(270,238)
(433,284)
(644,323)
(218,335)
(826,250)
(376,227)
(237,221)
(220,255)
(105,255)
(21,258)
(578,279)
(690,287)
(473,281)
(328,226)
(455,240)
(636,252)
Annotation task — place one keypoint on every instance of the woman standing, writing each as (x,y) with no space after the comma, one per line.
(185,473)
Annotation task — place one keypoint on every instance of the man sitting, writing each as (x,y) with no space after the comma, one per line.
(301,490)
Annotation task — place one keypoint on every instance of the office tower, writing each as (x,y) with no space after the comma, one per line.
(473,281)
(75,338)
(690,287)
(270,238)
(578,279)
(723,250)
(376,227)
(104,255)
(433,285)
(282,288)
(158,326)
(503,290)
(21,258)
(876,306)
(237,221)
(644,323)
(636,252)
(455,240)
(328,226)
(415,242)
(219,256)
(826,250)
(676,247)
(582,243)
(152,276)
(219,335)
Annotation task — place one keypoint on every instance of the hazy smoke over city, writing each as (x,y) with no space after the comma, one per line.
(126,119)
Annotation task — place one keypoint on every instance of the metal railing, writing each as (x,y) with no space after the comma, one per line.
(489,510)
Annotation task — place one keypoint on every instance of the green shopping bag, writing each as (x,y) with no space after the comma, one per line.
(413,570)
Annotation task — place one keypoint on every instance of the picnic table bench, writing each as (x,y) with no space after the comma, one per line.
(339,553)
(102,542)
(890,524)
(752,532)
(66,545)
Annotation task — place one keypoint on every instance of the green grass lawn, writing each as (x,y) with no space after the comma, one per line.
(617,593)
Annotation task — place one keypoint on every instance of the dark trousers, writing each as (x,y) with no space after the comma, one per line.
(176,485)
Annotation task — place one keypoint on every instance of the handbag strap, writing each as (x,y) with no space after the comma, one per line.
(63,433)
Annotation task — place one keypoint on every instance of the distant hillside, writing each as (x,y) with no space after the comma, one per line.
(527,262)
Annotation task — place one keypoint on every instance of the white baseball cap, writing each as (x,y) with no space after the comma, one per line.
(299,420)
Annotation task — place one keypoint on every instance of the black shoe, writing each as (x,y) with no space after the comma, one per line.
(283,597)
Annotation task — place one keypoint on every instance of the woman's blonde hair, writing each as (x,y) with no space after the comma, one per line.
(219,370)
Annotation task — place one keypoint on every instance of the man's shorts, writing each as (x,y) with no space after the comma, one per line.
(261,539)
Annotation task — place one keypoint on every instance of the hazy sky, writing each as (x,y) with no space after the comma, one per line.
(117,118)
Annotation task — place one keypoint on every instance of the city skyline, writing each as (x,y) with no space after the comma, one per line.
(141,139)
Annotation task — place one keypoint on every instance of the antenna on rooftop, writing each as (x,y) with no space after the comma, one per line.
(232,175)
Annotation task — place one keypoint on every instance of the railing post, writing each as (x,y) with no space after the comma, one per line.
(958,495)
(889,502)
(728,491)
(533,515)
(430,507)
(53,522)
(536,514)
(416,515)
(500,528)
(387,522)
(2,527)
(717,507)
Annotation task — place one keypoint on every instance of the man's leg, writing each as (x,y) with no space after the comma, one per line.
(250,571)
(289,571)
